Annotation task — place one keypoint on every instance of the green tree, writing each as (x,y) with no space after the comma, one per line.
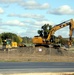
(11,36)
(45,29)
(40,32)
(20,39)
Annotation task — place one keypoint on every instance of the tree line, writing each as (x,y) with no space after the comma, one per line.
(14,38)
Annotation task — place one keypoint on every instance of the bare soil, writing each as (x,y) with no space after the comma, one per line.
(37,54)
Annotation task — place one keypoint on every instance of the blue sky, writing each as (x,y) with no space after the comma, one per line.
(25,17)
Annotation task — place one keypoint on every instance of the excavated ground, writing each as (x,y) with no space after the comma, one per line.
(37,54)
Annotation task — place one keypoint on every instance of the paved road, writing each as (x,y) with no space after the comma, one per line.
(36,67)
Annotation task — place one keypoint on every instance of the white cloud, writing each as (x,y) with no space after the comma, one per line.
(28,15)
(27,4)
(37,24)
(9,1)
(1,10)
(32,4)
(40,23)
(15,22)
(13,26)
(12,14)
(63,10)
(45,6)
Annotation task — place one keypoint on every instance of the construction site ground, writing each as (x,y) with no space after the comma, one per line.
(37,54)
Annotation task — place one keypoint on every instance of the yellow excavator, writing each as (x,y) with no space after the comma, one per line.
(37,40)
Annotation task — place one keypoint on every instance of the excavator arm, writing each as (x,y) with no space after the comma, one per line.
(69,23)
(55,28)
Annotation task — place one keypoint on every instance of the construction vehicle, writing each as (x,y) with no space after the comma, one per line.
(8,43)
(40,41)
(21,45)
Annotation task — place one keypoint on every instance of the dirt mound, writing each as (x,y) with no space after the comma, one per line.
(52,51)
(40,51)
(45,51)
(39,54)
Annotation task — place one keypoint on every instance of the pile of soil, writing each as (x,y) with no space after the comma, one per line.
(45,51)
(37,54)
(53,52)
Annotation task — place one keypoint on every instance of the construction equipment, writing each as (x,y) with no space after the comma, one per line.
(21,45)
(8,43)
(37,40)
